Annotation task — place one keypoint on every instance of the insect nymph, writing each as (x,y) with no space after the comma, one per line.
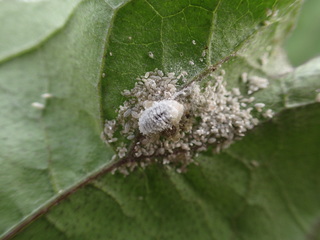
(160,116)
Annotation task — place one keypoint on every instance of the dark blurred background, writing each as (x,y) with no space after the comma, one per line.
(304,42)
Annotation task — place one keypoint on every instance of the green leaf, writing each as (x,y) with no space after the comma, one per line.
(265,186)
(22,32)
(304,42)
(45,151)
(218,29)
(85,53)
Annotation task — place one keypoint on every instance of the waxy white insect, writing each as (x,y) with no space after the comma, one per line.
(160,116)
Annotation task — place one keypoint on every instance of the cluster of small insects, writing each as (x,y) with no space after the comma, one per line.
(170,125)
(255,83)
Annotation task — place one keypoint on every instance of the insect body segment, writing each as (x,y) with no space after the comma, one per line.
(160,116)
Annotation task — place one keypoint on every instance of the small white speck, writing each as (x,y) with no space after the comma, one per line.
(126,93)
(191,63)
(248,100)
(147,74)
(122,151)
(256,83)
(37,105)
(194,42)
(244,77)
(171,74)
(110,53)
(134,114)
(182,74)
(147,104)
(113,140)
(130,38)
(103,75)
(165,161)
(269,12)
(268,114)
(46,95)
(160,73)
(203,53)
(127,113)
(151,55)
(259,106)
(130,137)
(236,91)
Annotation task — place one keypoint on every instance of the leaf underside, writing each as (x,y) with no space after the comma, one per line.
(265,186)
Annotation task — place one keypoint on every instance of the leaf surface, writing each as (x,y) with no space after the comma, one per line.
(303,42)
(95,49)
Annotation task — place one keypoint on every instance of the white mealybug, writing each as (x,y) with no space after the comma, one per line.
(160,116)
